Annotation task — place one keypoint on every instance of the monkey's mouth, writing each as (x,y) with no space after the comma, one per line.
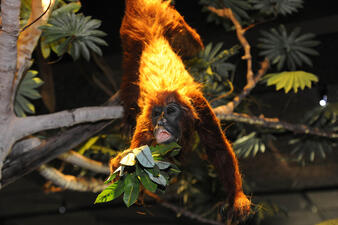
(162,135)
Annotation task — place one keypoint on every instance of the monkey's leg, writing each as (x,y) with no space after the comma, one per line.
(221,155)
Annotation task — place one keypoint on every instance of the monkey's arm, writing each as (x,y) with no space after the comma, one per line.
(143,21)
(221,155)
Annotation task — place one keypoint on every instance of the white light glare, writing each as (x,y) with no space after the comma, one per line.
(323,101)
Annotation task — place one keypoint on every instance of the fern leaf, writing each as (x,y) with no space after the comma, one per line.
(291,80)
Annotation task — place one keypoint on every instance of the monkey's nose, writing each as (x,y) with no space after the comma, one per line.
(161,122)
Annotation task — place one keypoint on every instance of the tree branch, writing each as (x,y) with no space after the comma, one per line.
(84,162)
(181,211)
(275,123)
(10,11)
(52,148)
(251,79)
(71,182)
(32,124)
(28,38)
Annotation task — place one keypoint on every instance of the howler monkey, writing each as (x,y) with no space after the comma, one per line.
(160,96)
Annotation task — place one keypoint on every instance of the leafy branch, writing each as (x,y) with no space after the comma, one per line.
(251,79)
(139,168)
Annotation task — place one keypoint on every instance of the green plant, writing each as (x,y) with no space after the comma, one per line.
(73,33)
(291,49)
(141,166)
(26,91)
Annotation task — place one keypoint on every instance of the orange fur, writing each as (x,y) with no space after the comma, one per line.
(154,38)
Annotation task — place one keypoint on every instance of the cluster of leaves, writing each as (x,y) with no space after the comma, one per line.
(291,49)
(72,33)
(211,68)
(249,145)
(240,9)
(141,166)
(276,7)
(27,90)
(265,209)
(308,148)
(290,80)
(25,9)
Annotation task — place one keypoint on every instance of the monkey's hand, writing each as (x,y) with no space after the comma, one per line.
(242,205)
(240,209)
(115,162)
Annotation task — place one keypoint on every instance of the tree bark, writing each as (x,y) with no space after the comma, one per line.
(10,11)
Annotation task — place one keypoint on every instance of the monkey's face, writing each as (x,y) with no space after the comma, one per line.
(166,122)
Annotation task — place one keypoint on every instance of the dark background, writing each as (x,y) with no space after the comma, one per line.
(25,203)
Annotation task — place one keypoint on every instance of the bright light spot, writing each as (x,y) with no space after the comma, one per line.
(45,4)
(323,101)
(62,210)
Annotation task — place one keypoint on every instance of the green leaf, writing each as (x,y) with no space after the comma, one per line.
(45,48)
(163,165)
(287,48)
(73,33)
(143,155)
(111,192)
(160,179)
(110,178)
(68,8)
(145,180)
(291,80)
(131,189)
(207,50)
(128,160)
(155,171)
(329,222)
(163,149)
(174,170)
(25,104)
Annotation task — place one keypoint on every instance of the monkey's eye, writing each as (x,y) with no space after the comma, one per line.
(156,113)
(171,110)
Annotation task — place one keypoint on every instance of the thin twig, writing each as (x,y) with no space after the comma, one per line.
(181,211)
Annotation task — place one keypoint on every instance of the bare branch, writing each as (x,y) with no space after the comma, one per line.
(84,162)
(71,182)
(181,211)
(52,148)
(275,123)
(28,39)
(10,11)
(23,146)
(32,124)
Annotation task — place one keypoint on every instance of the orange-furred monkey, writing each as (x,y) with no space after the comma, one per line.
(163,99)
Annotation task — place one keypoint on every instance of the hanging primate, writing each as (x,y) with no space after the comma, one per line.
(160,96)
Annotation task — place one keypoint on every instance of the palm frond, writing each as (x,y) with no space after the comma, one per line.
(283,49)
(73,33)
